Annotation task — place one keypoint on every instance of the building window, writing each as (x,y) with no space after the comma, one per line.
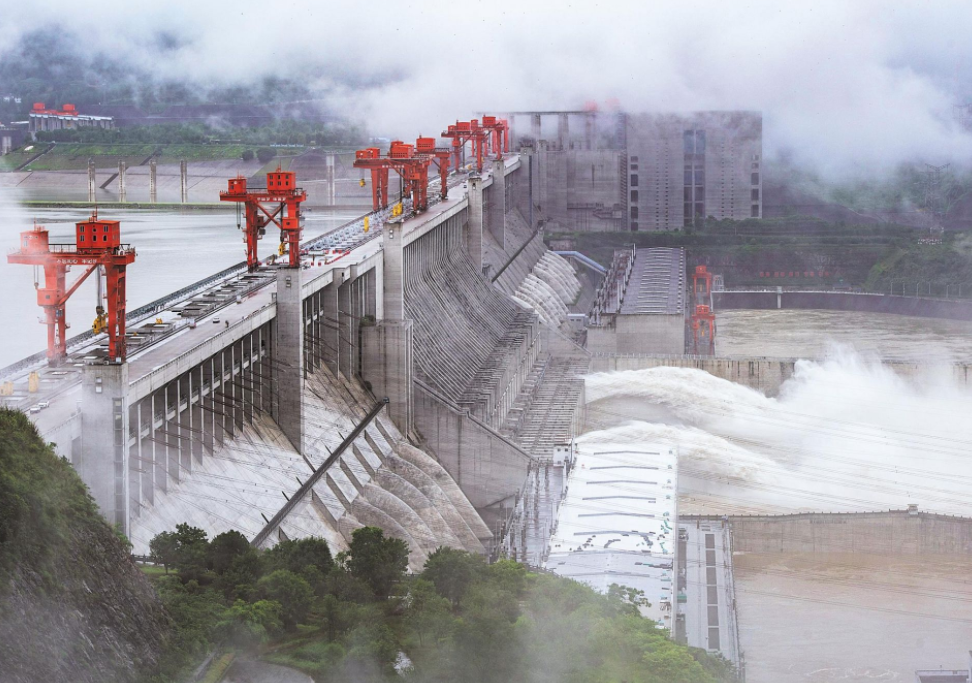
(687,194)
(634,226)
(699,175)
(755,213)
(634,180)
(687,222)
(755,196)
(699,210)
(687,179)
(634,196)
(634,160)
(688,141)
(634,212)
(755,179)
(699,194)
(700,142)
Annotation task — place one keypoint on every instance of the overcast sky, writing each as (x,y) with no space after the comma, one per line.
(848,86)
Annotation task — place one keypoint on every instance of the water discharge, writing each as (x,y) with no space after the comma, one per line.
(845,434)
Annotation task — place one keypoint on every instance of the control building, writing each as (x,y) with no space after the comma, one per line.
(637,172)
(640,305)
(616,524)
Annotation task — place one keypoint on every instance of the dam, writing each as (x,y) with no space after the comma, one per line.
(392,380)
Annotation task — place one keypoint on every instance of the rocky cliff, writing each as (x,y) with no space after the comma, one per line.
(73,606)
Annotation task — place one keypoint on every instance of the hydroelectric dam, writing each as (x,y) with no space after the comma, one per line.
(390,380)
(416,369)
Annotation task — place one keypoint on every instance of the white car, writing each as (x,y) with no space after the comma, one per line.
(44,404)
(216,320)
(35,409)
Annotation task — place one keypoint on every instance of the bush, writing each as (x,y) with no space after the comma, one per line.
(247,155)
(265,154)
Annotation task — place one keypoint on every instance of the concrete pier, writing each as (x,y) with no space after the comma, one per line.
(91,180)
(388,344)
(184,181)
(153,180)
(122,168)
(474,226)
(289,351)
(496,209)
(103,464)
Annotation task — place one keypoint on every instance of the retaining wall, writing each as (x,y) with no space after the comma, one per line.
(844,301)
(895,532)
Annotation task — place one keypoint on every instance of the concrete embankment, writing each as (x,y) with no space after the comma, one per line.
(893,532)
(844,301)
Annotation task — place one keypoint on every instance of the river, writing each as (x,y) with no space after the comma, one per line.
(852,618)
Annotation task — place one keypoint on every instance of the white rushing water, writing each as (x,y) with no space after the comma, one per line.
(539,296)
(845,433)
(556,272)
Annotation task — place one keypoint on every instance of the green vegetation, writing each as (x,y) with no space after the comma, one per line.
(360,616)
(355,616)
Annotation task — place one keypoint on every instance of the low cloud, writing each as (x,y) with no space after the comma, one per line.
(845,87)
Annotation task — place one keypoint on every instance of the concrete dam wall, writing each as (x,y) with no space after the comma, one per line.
(895,532)
(764,374)
(844,301)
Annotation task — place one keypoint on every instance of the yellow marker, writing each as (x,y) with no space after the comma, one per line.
(361,182)
(33,382)
(281,250)
(7,389)
(367,223)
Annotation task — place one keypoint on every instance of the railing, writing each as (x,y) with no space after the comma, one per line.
(306,487)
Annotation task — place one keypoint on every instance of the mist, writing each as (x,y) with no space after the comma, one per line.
(845,434)
(846,88)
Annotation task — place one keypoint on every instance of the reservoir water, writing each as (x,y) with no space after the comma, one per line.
(175,248)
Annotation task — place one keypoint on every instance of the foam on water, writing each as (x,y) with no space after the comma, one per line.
(845,433)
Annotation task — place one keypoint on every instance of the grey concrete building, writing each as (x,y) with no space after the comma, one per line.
(682,168)
(651,171)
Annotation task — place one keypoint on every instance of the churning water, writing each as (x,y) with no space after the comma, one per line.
(844,434)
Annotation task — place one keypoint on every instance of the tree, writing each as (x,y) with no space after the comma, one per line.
(164,549)
(265,154)
(291,591)
(378,561)
(427,613)
(247,155)
(247,624)
(296,555)
(451,571)
(226,547)
(192,554)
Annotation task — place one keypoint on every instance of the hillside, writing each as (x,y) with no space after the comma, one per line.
(73,606)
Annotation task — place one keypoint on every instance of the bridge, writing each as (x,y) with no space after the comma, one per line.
(390,381)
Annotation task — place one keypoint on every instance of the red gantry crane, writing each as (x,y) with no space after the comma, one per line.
(412,163)
(704,328)
(480,136)
(97,246)
(278,203)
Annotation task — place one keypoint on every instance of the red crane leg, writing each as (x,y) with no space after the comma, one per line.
(115,277)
